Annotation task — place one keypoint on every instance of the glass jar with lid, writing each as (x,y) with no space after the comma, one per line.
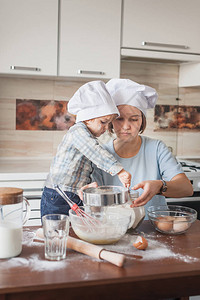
(12,218)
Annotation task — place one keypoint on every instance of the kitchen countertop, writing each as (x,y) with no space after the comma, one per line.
(24,169)
(170,267)
(37,165)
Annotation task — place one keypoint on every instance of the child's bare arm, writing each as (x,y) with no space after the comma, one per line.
(125,178)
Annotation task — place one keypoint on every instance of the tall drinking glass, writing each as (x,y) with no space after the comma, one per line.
(56,231)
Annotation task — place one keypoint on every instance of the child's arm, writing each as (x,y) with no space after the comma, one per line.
(89,146)
(125,178)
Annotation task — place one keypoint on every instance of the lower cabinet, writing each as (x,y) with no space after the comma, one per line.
(32,185)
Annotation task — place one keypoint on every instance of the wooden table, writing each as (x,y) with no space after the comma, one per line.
(82,277)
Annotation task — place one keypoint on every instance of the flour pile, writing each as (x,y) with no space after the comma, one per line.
(155,251)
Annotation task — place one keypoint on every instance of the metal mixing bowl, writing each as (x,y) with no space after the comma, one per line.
(171,219)
(114,222)
(105,195)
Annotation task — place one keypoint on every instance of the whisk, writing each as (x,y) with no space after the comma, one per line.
(87,219)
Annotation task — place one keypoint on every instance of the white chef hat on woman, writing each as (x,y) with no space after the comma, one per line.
(92,100)
(128,92)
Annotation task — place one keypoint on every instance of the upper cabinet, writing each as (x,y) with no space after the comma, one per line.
(161,29)
(189,75)
(87,38)
(90,38)
(28,31)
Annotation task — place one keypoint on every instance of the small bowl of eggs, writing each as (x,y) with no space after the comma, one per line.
(171,219)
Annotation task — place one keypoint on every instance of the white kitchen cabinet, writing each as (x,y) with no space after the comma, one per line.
(162,29)
(90,38)
(28,31)
(189,75)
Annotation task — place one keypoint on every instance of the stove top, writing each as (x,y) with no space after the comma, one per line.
(192,171)
(189,166)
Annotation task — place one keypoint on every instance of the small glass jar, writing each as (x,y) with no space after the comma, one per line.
(133,195)
(138,213)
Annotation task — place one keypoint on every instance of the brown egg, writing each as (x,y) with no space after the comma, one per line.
(140,243)
(165,223)
(180,224)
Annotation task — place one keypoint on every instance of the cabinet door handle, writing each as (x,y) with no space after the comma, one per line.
(164,45)
(25,68)
(90,72)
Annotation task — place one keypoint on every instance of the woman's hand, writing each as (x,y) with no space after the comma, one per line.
(150,187)
(179,186)
(80,192)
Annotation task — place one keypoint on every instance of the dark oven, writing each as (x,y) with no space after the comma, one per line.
(192,171)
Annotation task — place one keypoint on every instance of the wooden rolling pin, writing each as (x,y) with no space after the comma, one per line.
(90,250)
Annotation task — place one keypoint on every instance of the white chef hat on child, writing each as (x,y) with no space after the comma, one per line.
(128,92)
(92,100)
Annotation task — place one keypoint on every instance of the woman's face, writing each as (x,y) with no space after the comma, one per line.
(128,124)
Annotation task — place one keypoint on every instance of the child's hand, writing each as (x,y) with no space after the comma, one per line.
(125,178)
(80,192)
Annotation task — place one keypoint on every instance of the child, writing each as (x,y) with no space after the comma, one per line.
(72,165)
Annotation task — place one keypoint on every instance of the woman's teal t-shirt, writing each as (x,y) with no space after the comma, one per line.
(154,161)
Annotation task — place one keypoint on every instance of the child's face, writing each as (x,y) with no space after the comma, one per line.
(99,125)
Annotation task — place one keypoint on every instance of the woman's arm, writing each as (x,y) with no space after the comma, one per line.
(179,186)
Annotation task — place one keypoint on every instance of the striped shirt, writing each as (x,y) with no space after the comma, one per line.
(72,165)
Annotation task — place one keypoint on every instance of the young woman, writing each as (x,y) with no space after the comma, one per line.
(72,166)
(155,172)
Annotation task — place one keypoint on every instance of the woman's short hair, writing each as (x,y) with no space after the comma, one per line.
(144,123)
(142,128)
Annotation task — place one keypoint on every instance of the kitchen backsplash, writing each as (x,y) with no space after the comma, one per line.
(42,144)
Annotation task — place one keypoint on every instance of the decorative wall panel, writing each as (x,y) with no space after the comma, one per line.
(43,115)
(175,117)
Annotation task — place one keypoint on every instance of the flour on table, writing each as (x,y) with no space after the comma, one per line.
(28,237)
(34,262)
(155,250)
